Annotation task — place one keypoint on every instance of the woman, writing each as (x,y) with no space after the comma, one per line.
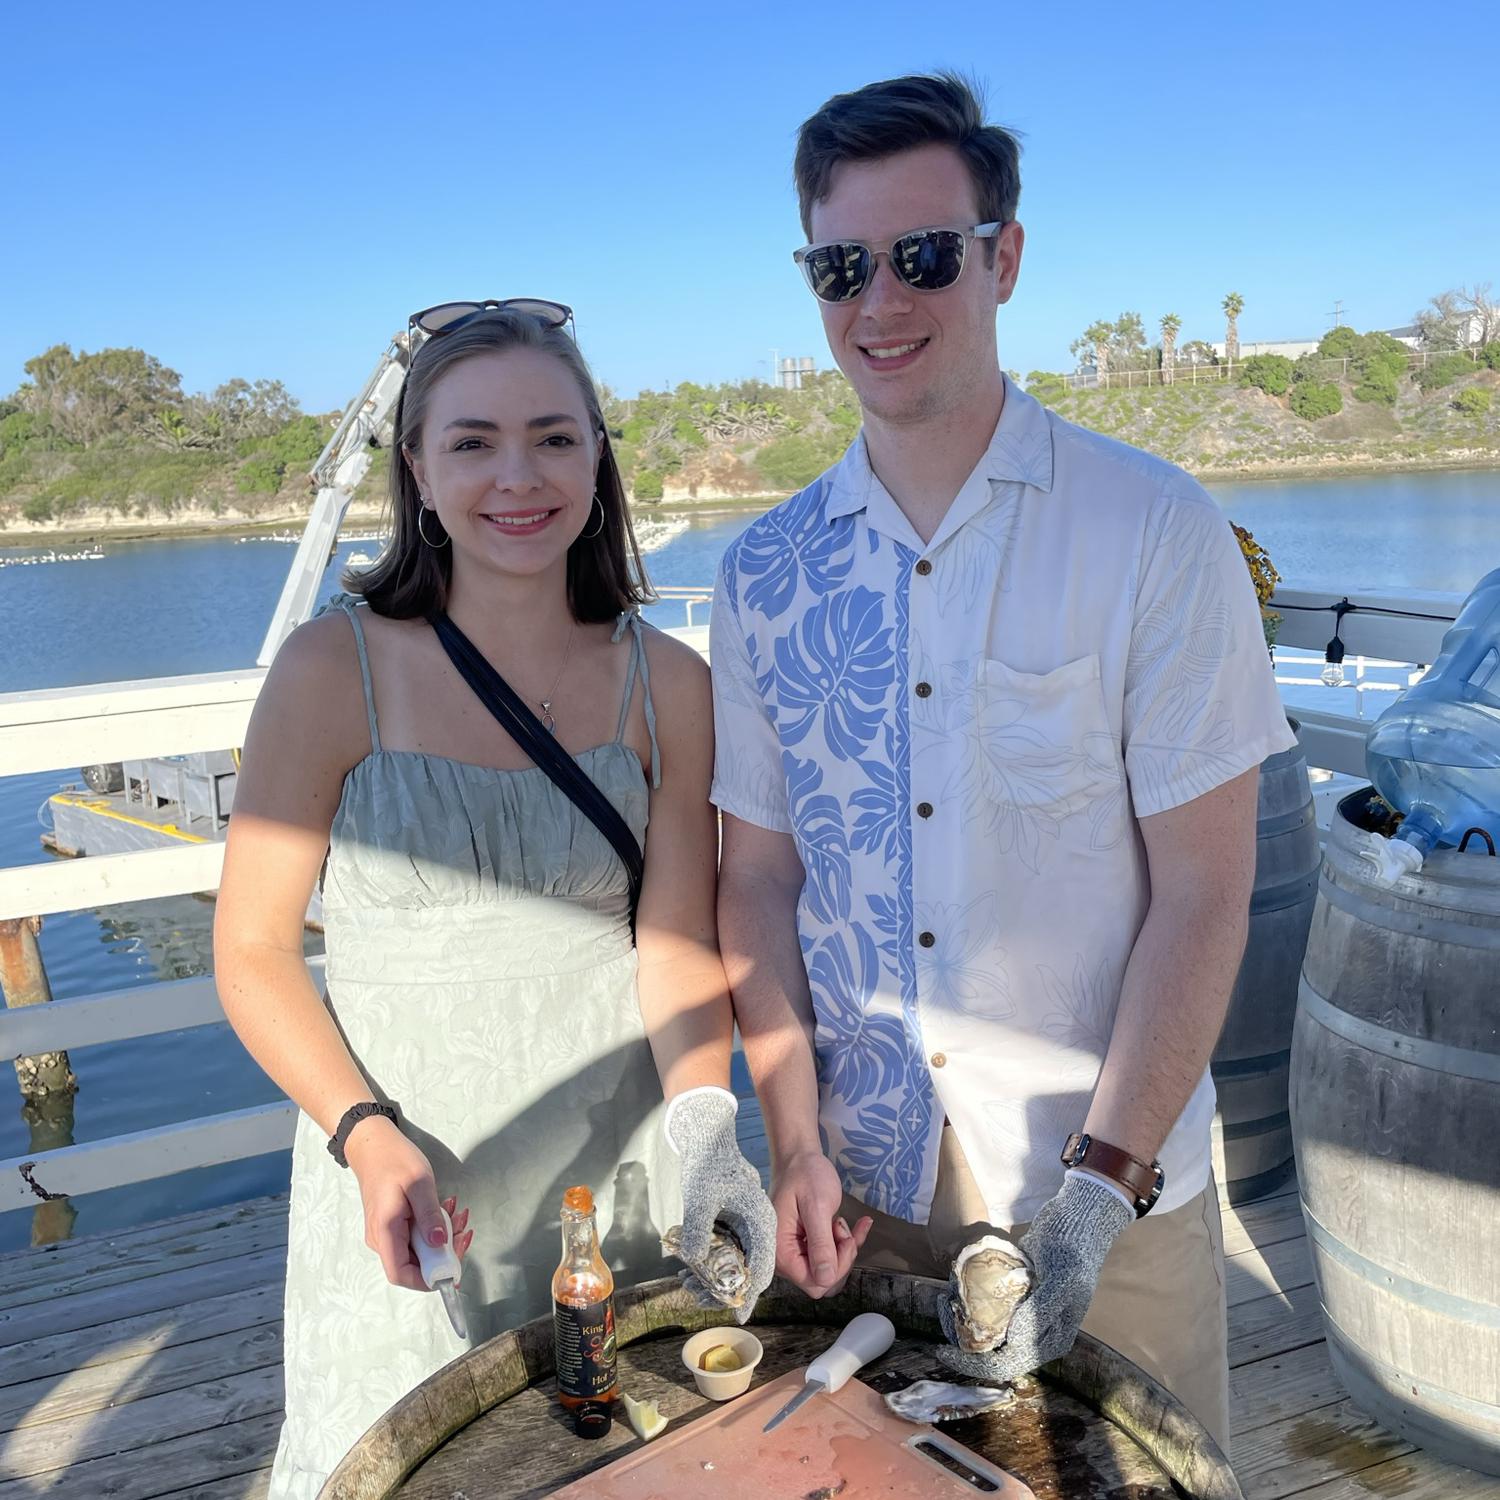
(482,981)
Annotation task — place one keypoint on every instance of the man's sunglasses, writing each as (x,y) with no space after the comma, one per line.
(447,317)
(926,260)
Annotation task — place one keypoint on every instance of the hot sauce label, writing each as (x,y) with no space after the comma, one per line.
(585,1343)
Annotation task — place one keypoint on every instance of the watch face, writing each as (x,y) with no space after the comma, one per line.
(1076,1149)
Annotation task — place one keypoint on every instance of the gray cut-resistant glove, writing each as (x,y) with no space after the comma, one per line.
(718,1184)
(1067,1243)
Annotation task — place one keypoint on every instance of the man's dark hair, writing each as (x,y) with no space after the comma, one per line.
(921,110)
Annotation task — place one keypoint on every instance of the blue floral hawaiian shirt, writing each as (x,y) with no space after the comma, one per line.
(960,737)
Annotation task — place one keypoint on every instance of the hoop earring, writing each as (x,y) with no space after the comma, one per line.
(589,536)
(436,546)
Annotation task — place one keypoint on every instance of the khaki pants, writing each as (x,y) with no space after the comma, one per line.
(1160,1300)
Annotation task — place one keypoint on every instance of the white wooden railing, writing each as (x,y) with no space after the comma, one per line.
(167,716)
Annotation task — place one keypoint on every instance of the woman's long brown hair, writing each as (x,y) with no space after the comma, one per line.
(410,579)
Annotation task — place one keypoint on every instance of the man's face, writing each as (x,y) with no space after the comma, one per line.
(953,330)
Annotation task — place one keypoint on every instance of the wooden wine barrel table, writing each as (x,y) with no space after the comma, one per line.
(488,1425)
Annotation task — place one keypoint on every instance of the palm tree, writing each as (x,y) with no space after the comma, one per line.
(1169,326)
(1098,335)
(1234,305)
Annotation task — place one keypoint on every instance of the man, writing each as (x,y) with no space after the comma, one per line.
(990,699)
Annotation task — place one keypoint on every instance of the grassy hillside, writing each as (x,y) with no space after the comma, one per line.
(1216,428)
(167,466)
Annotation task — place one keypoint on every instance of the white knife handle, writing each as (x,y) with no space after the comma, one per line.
(866,1337)
(438,1264)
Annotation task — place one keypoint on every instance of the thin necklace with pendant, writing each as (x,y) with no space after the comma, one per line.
(546,703)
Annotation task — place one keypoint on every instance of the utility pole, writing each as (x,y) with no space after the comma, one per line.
(1338,312)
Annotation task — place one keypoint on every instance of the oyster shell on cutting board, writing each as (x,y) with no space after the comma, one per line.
(723,1272)
(992,1277)
(938,1401)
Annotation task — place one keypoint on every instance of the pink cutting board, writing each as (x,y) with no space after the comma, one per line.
(848,1444)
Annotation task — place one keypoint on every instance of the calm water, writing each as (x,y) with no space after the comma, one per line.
(153,609)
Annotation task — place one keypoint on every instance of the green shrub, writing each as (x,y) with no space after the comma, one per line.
(1307,367)
(1339,343)
(1271,372)
(38,508)
(17,429)
(1312,399)
(646,485)
(1444,371)
(259,476)
(1377,383)
(1473,402)
(1489,355)
(1046,386)
(1381,351)
(687,434)
(797,460)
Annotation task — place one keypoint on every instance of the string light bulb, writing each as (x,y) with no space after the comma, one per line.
(1333,652)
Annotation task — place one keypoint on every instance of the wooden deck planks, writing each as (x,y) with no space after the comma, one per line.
(111,1260)
(147,1364)
(94,1387)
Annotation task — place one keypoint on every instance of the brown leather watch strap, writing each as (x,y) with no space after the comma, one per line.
(1142,1181)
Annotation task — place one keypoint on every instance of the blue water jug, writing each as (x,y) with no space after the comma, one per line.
(1434,754)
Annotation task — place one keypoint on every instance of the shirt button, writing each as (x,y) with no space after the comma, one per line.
(938,1059)
(924,690)
(926,939)
(924,809)
(924,567)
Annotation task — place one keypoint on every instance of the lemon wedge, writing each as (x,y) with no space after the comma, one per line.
(719,1359)
(644,1417)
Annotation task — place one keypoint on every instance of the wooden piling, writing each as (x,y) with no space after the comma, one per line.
(47,1081)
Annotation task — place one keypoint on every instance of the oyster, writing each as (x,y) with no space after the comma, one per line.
(723,1273)
(938,1401)
(990,1278)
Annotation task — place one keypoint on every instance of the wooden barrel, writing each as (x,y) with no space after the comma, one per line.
(1094,1427)
(1396,1118)
(1252,1132)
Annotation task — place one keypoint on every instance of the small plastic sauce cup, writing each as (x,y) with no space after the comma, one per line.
(723,1385)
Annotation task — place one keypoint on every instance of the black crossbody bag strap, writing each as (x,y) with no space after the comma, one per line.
(541,745)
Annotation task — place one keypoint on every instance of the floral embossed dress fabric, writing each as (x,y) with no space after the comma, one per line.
(481,968)
(960,737)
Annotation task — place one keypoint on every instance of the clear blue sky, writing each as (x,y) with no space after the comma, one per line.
(267,191)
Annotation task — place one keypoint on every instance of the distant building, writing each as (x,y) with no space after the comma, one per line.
(1296,348)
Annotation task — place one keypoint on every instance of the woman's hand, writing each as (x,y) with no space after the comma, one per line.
(720,1186)
(399,1192)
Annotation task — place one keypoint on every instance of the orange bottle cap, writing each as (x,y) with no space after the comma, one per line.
(579,1199)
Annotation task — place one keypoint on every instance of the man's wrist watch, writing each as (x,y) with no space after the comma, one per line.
(1142,1182)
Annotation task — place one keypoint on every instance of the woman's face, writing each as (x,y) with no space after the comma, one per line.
(508,460)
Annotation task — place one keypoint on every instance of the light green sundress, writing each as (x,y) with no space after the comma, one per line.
(481,969)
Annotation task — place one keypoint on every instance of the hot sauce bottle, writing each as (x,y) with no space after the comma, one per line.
(583,1319)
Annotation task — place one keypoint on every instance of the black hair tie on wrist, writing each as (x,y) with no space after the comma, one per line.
(352,1116)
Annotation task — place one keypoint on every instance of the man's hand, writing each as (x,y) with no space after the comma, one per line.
(815,1249)
(1067,1244)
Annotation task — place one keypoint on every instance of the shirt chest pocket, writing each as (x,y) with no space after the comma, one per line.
(1040,745)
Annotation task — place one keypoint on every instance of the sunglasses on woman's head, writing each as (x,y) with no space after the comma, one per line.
(447,317)
(926,260)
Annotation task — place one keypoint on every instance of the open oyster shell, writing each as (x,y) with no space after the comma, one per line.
(991,1277)
(723,1272)
(938,1401)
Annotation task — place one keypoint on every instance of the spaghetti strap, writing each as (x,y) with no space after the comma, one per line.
(630,620)
(351,608)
